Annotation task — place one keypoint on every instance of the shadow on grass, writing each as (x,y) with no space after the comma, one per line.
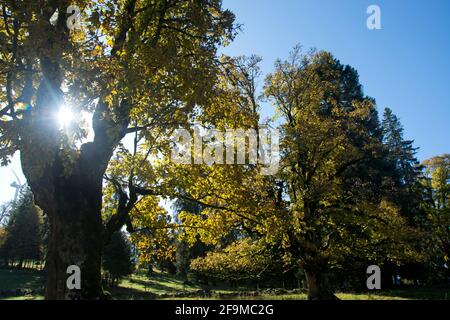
(121,293)
(15,283)
(155,286)
(162,283)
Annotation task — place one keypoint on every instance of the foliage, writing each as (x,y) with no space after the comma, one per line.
(436,183)
(22,236)
(329,203)
(244,259)
(438,180)
(152,233)
(135,66)
(348,189)
(403,167)
(184,252)
(118,260)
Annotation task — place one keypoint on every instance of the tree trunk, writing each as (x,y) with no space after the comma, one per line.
(75,239)
(318,288)
(67,182)
(72,200)
(67,185)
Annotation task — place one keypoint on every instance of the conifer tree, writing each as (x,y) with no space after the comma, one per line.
(117,258)
(23,233)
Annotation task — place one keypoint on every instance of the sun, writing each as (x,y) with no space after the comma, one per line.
(65,116)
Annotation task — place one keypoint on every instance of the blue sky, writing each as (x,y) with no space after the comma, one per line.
(404,66)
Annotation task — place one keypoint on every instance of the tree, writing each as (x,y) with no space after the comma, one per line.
(436,183)
(3,253)
(4,213)
(405,169)
(244,259)
(401,151)
(152,233)
(328,204)
(138,178)
(437,170)
(333,171)
(23,233)
(118,260)
(136,66)
(184,252)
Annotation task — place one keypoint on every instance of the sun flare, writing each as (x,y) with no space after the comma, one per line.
(65,116)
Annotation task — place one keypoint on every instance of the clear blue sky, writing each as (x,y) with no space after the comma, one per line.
(404,66)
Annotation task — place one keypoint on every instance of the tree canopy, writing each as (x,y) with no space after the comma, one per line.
(347,189)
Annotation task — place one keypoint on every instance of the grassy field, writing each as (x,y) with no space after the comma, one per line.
(28,285)
(21,284)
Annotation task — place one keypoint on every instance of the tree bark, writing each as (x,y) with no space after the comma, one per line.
(72,201)
(67,185)
(75,239)
(318,287)
(67,182)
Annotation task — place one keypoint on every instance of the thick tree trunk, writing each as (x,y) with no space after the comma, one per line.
(75,239)
(67,182)
(70,193)
(72,202)
(67,185)
(318,288)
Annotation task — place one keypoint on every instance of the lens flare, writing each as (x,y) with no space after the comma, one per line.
(65,116)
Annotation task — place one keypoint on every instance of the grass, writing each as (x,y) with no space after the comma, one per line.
(406,294)
(161,286)
(23,298)
(25,280)
(165,287)
(403,294)
(158,284)
(143,287)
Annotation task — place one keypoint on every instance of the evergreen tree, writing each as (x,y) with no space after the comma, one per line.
(118,260)
(182,259)
(404,168)
(332,160)
(401,152)
(23,239)
(184,252)
(327,206)
(4,213)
